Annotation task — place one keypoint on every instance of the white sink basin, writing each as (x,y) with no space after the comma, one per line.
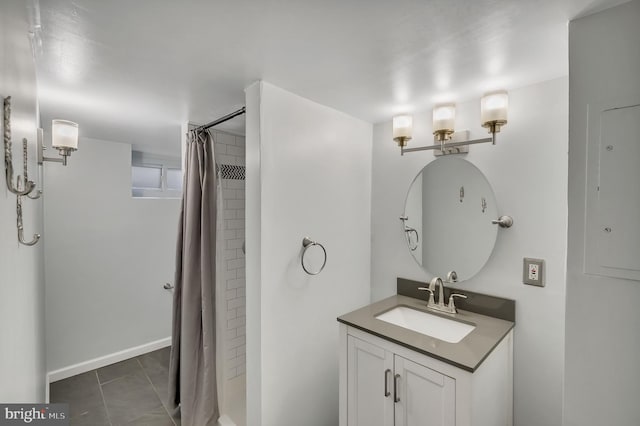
(425,323)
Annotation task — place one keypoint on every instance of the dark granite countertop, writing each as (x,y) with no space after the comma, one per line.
(467,354)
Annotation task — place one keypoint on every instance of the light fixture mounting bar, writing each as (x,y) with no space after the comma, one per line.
(443,146)
(41,149)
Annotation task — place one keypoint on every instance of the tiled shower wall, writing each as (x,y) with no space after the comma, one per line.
(230,151)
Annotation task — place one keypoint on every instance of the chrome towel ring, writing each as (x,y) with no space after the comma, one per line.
(306,243)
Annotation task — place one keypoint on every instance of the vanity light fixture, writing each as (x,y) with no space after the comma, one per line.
(493,113)
(64,138)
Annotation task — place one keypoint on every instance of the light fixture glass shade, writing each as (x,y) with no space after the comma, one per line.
(64,134)
(493,109)
(402,128)
(444,118)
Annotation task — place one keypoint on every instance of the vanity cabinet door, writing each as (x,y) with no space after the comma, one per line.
(370,384)
(425,397)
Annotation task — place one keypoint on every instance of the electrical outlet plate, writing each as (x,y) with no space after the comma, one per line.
(533,271)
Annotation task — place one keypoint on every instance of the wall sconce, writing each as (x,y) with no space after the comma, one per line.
(493,113)
(64,138)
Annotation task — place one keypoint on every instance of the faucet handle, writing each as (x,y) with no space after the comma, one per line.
(431,299)
(452,305)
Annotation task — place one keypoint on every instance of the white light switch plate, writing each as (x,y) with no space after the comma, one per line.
(533,271)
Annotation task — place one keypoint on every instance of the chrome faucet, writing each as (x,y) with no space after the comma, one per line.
(432,286)
(440,306)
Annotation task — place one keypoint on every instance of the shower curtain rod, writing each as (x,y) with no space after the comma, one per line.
(222,119)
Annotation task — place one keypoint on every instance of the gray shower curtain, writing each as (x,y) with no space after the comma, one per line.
(192,369)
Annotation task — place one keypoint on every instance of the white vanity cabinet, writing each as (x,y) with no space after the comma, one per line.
(386,384)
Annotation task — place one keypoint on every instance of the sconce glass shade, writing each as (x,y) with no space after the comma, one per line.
(402,128)
(444,118)
(444,121)
(493,110)
(64,135)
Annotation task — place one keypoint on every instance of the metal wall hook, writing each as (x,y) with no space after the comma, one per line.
(38,194)
(8,156)
(36,237)
(306,244)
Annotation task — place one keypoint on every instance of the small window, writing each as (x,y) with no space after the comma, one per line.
(174,179)
(146,177)
(155,176)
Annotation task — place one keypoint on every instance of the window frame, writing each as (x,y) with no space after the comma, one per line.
(164,163)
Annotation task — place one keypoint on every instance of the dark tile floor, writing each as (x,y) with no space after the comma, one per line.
(131,392)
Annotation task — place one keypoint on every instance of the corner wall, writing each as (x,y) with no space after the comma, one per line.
(603,319)
(528,172)
(107,257)
(308,174)
(22,359)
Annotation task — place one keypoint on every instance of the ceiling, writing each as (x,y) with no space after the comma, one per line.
(134,71)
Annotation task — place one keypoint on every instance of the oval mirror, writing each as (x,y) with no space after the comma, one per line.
(447,218)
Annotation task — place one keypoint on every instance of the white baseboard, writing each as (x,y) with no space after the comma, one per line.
(92,364)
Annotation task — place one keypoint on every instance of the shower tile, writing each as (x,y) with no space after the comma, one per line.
(236,303)
(235,243)
(230,194)
(235,283)
(130,397)
(225,138)
(235,323)
(238,341)
(241,350)
(227,159)
(235,264)
(230,254)
(238,151)
(119,369)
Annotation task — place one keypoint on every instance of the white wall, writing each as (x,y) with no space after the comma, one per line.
(528,171)
(603,319)
(308,174)
(107,256)
(22,377)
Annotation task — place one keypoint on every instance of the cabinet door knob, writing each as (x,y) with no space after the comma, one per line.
(387,372)
(396,391)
